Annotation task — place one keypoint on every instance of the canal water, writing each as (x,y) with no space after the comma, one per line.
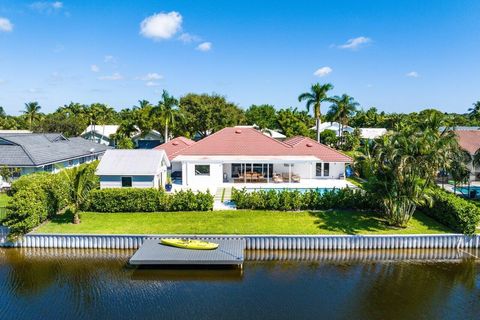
(99,284)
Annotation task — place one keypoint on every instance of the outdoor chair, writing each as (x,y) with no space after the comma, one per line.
(295,178)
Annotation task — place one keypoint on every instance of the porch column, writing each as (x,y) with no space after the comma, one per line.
(268,173)
(289,173)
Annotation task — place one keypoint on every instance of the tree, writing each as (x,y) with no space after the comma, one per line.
(32,112)
(264,116)
(7,173)
(314,98)
(205,114)
(404,164)
(474,112)
(3,114)
(293,122)
(165,111)
(81,180)
(342,109)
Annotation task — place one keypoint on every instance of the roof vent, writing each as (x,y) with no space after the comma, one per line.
(175,143)
(238,131)
(309,145)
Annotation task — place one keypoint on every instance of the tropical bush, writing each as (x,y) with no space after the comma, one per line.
(146,200)
(289,200)
(37,197)
(459,214)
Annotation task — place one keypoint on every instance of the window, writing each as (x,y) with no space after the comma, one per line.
(326,169)
(82,160)
(202,169)
(48,168)
(318,169)
(126,182)
(70,163)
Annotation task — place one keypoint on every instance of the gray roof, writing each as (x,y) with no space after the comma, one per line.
(36,149)
(137,162)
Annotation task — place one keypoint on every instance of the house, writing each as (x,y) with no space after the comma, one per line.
(365,133)
(244,155)
(275,134)
(103,134)
(469,140)
(34,152)
(148,141)
(133,168)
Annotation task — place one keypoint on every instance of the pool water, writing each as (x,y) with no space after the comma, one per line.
(98,284)
(465,190)
(301,190)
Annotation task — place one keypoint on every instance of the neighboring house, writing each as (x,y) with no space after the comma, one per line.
(101,134)
(247,155)
(149,141)
(133,168)
(275,134)
(33,152)
(365,133)
(14,131)
(372,133)
(469,140)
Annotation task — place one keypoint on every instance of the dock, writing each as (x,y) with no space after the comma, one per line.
(152,252)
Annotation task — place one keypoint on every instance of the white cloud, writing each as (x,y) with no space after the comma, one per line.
(152,84)
(187,38)
(161,26)
(151,76)
(412,74)
(5,25)
(109,58)
(323,71)
(204,46)
(94,68)
(46,6)
(355,43)
(114,77)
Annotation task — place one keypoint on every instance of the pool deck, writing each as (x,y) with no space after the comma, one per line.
(228,253)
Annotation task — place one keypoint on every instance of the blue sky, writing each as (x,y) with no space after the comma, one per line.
(398,56)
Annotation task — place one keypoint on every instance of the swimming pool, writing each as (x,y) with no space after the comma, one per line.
(301,190)
(465,190)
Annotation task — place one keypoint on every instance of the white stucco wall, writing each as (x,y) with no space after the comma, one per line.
(190,179)
(137,182)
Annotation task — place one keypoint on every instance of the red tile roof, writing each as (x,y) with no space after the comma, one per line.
(174,146)
(251,142)
(469,140)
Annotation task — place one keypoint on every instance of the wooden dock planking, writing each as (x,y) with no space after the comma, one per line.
(151,252)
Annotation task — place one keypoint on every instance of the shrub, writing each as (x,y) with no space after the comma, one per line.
(36,197)
(459,214)
(146,200)
(285,199)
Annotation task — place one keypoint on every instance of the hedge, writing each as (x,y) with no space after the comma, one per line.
(457,213)
(35,198)
(287,200)
(146,200)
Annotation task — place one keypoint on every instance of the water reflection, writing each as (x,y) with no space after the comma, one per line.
(92,284)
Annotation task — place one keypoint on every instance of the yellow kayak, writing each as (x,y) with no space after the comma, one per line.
(190,244)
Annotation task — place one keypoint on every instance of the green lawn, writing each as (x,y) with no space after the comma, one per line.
(3,199)
(237,222)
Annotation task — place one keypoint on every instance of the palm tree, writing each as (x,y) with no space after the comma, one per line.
(166,112)
(81,180)
(474,112)
(317,95)
(32,112)
(341,110)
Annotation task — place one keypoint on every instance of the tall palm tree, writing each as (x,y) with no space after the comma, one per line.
(342,109)
(314,98)
(165,110)
(32,111)
(474,112)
